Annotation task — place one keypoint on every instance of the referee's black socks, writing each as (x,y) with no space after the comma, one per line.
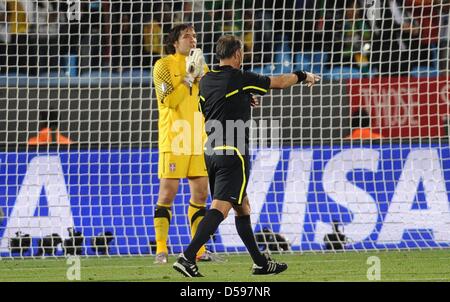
(205,229)
(245,231)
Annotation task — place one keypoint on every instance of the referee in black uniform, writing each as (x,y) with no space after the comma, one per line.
(226,98)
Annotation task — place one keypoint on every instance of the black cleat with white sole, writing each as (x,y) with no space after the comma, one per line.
(271,268)
(186,267)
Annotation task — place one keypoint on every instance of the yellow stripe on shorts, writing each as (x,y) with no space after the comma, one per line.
(243,167)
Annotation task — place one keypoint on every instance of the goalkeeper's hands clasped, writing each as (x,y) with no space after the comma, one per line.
(189,80)
(195,63)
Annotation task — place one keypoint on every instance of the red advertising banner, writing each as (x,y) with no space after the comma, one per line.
(403,107)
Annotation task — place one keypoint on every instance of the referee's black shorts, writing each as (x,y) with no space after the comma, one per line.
(228,172)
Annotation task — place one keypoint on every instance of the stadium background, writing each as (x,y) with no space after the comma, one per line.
(95,72)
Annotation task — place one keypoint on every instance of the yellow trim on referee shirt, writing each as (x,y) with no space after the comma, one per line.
(215,70)
(231,93)
(243,167)
(256,88)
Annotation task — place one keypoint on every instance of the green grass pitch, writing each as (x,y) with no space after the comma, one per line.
(426,265)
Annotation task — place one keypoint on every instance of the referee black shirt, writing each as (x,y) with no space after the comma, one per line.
(225,95)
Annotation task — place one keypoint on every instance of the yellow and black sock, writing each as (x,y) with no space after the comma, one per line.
(161,221)
(196,212)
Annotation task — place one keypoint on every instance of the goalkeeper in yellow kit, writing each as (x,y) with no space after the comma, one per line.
(181,134)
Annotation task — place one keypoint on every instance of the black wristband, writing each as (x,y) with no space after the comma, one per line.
(301,75)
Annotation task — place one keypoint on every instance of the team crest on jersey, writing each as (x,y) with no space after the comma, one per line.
(172,167)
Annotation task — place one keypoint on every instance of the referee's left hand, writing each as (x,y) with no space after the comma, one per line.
(311,79)
(254,102)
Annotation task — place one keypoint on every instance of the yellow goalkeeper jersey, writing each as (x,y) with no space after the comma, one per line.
(180,123)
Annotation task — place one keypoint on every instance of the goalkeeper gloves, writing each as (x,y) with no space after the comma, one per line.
(195,63)
(189,80)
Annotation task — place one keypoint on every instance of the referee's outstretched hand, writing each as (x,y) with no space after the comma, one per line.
(311,79)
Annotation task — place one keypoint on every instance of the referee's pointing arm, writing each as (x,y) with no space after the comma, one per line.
(289,79)
(276,82)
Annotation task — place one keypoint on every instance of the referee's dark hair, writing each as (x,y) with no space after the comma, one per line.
(173,36)
(227,46)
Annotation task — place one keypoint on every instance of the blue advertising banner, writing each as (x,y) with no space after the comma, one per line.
(389,196)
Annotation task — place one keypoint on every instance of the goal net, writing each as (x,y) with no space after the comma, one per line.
(360,161)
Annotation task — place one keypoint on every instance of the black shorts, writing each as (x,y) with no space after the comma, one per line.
(228,174)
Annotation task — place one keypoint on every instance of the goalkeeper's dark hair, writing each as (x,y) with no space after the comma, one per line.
(173,36)
(227,45)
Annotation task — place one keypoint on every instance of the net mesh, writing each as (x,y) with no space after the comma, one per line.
(358,162)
